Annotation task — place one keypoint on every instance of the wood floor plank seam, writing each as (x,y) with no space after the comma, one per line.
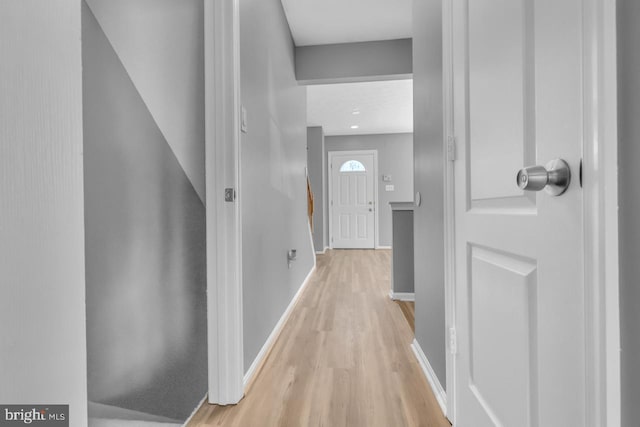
(342,359)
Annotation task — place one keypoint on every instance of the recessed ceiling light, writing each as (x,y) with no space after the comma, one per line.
(355,127)
(355,113)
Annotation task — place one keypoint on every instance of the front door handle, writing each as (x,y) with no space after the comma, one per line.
(554,178)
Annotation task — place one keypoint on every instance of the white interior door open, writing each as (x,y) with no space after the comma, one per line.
(352,199)
(520,294)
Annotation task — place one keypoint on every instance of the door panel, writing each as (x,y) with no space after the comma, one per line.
(352,202)
(501,102)
(519,285)
(502,295)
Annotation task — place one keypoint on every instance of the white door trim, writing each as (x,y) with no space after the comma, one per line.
(600,206)
(375,192)
(449,206)
(600,171)
(224,226)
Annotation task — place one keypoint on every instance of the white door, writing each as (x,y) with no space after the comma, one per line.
(520,317)
(352,199)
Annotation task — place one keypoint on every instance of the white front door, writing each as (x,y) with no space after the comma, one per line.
(352,199)
(520,313)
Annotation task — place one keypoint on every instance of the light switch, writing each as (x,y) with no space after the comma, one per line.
(389,188)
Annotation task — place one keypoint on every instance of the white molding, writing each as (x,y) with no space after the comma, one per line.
(402,296)
(224,233)
(383,247)
(330,155)
(322,252)
(434,382)
(275,333)
(600,207)
(449,201)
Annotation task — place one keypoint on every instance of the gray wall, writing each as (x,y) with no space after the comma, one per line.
(429,181)
(160,43)
(42,319)
(350,62)
(629,200)
(145,238)
(316,164)
(395,158)
(403,277)
(273,181)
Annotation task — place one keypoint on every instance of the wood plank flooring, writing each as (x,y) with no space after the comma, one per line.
(409,310)
(342,359)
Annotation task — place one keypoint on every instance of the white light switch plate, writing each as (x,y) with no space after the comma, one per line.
(389,188)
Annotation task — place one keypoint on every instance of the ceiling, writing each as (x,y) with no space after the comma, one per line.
(315,22)
(384,107)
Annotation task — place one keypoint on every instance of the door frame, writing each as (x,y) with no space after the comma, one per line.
(600,210)
(223,219)
(331,155)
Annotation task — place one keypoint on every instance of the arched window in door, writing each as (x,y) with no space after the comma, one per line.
(352,166)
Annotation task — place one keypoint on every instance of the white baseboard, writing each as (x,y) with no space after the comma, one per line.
(383,247)
(402,296)
(438,390)
(264,351)
(322,252)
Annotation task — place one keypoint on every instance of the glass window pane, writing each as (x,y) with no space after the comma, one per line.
(352,166)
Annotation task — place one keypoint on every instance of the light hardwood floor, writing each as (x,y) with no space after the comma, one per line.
(409,310)
(343,358)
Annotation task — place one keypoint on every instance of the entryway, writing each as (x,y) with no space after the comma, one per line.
(353,219)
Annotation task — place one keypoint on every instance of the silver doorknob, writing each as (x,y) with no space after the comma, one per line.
(554,178)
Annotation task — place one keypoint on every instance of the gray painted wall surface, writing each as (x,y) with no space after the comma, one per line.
(273,188)
(395,158)
(160,43)
(403,277)
(354,62)
(145,246)
(428,160)
(42,316)
(317,170)
(629,200)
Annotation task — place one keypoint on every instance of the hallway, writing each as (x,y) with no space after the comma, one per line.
(343,358)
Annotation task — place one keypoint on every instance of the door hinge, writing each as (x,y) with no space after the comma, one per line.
(451,148)
(453,341)
(229,195)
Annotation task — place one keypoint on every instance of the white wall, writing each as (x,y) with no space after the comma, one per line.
(273,181)
(42,311)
